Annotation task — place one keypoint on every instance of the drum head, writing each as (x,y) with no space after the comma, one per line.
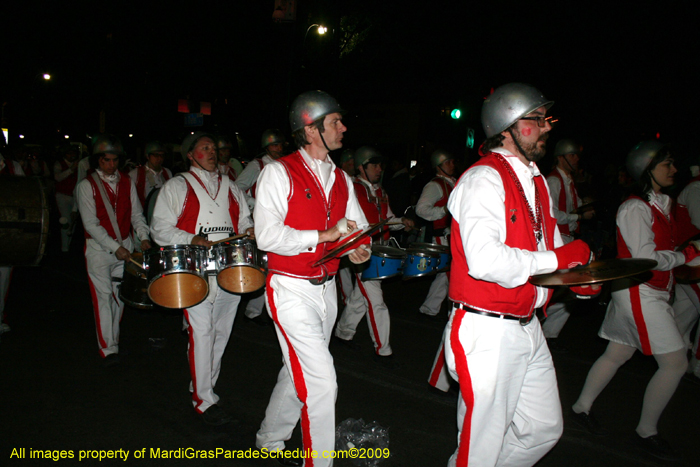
(179,290)
(241,279)
(430,246)
(388,252)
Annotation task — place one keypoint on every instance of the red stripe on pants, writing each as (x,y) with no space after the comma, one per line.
(439,365)
(297,375)
(190,360)
(639,320)
(465,387)
(96,309)
(370,312)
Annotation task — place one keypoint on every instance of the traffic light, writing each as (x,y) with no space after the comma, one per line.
(456,113)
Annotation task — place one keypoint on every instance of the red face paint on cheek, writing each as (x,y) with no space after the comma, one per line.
(526,132)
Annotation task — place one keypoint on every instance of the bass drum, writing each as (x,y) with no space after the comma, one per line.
(24,221)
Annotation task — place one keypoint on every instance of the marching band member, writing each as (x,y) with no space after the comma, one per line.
(301,199)
(197,200)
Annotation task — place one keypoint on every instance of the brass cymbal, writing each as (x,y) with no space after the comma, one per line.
(597,271)
(342,245)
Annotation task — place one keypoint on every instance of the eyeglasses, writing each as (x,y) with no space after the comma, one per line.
(540,120)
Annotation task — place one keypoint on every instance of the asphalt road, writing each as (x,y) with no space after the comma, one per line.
(56,395)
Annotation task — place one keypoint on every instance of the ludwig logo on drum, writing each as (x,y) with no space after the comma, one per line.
(220,229)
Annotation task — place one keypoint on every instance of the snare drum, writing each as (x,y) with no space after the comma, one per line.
(177,275)
(386,261)
(240,266)
(420,262)
(443,250)
(134,287)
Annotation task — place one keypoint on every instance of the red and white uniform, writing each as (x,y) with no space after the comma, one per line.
(297,197)
(101,244)
(641,316)
(564,200)
(66,180)
(187,203)
(248,179)
(7,167)
(367,297)
(509,412)
(431,207)
(687,303)
(146,180)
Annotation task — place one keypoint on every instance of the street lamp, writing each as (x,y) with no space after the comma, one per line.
(46,76)
(321,30)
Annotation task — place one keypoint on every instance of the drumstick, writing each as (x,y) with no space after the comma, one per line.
(137,263)
(235,237)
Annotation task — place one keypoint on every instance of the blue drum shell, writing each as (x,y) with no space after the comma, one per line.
(384,263)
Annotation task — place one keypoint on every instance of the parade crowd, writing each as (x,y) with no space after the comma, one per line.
(309,224)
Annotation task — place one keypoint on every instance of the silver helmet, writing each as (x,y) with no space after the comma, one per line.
(641,156)
(223,142)
(309,107)
(567,146)
(106,143)
(347,155)
(440,156)
(190,140)
(271,136)
(364,155)
(508,104)
(154,146)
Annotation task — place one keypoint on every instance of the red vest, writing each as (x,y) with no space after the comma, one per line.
(561,202)
(67,185)
(141,182)
(9,168)
(446,190)
(308,209)
(190,213)
(251,190)
(122,199)
(489,296)
(684,224)
(375,207)
(664,238)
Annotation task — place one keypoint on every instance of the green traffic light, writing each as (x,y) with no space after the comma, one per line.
(456,113)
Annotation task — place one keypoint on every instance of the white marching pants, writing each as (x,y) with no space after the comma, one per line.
(108,309)
(210,325)
(255,304)
(65,208)
(306,389)
(436,295)
(557,316)
(508,412)
(367,299)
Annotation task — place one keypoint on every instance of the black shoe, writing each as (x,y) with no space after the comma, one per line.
(260,320)
(348,344)
(588,421)
(387,361)
(658,447)
(555,346)
(288,461)
(110,360)
(216,416)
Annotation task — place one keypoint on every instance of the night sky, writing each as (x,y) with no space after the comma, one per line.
(618,74)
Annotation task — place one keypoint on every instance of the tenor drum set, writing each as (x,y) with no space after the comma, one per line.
(177,276)
(418,260)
